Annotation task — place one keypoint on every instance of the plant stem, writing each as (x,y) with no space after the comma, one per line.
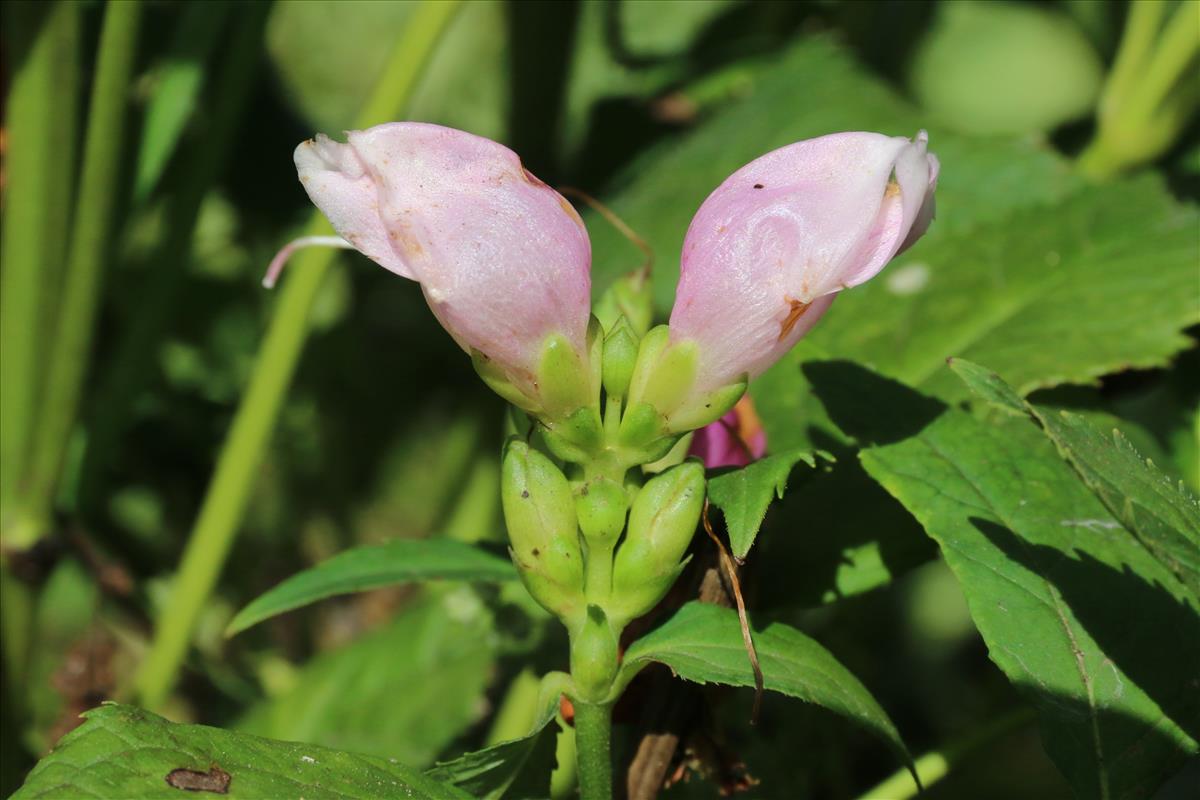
(90,246)
(935,765)
(228,493)
(40,125)
(593,737)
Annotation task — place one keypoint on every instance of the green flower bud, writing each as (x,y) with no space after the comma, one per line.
(662,522)
(620,357)
(539,511)
(600,507)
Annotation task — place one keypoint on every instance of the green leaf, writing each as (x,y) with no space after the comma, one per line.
(362,568)
(122,751)
(178,80)
(703,643)
(514,769)
(406,690)
(744,494)
(1073,610)
(1161,513)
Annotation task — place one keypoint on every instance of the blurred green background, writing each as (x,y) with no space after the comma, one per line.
(384,431)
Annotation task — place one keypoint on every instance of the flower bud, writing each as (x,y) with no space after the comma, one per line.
(662,522)
(539,512)
(772,246)
(600,507)
(502,259)
(620,357)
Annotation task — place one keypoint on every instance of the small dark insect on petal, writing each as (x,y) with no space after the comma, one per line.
(758,186)
(216,780)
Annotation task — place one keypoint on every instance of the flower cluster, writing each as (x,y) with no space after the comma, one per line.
(504,262)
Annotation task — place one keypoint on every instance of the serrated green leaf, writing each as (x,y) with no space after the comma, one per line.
(373,567)
(516,769)
(123,751)
(1075,612)
(703,643)
(405,690)
(1163,514)
(744,494)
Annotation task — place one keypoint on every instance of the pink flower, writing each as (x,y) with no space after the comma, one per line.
(734,440)
(769,250)
(503,260)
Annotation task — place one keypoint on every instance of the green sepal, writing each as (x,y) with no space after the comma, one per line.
(662,522)
(499,383)
(564,381)
(673,377)
(620,358)
(631,297)
(600,507)
(576,438)
(675,455)
(641,425)
(594,655)
(706,409)
(539,511)
(651,349)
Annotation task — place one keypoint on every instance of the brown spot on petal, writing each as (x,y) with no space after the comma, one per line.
(892,190)
(794,314)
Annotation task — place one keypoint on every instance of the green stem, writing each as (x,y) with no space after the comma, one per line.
(1137,41)
(935,765)
(90,246)
(597,580)
(1177,48)
(40,125)
(227,496)
(593,740)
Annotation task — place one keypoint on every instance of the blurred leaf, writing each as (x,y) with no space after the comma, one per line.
(744,494)
(660,28)
(373,567)
(327,76)
(1074,611)
(1161,513)
(703,643)
(66,610)
(405,691)
(465,83)
(1005,68)
(516,769)
(177,82)
(122,751)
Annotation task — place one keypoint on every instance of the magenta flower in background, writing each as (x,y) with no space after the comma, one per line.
(735,440)
(772,246)
(503,260)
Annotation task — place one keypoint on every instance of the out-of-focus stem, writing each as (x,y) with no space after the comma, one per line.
(96,204)
(39,164)
(227,496)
